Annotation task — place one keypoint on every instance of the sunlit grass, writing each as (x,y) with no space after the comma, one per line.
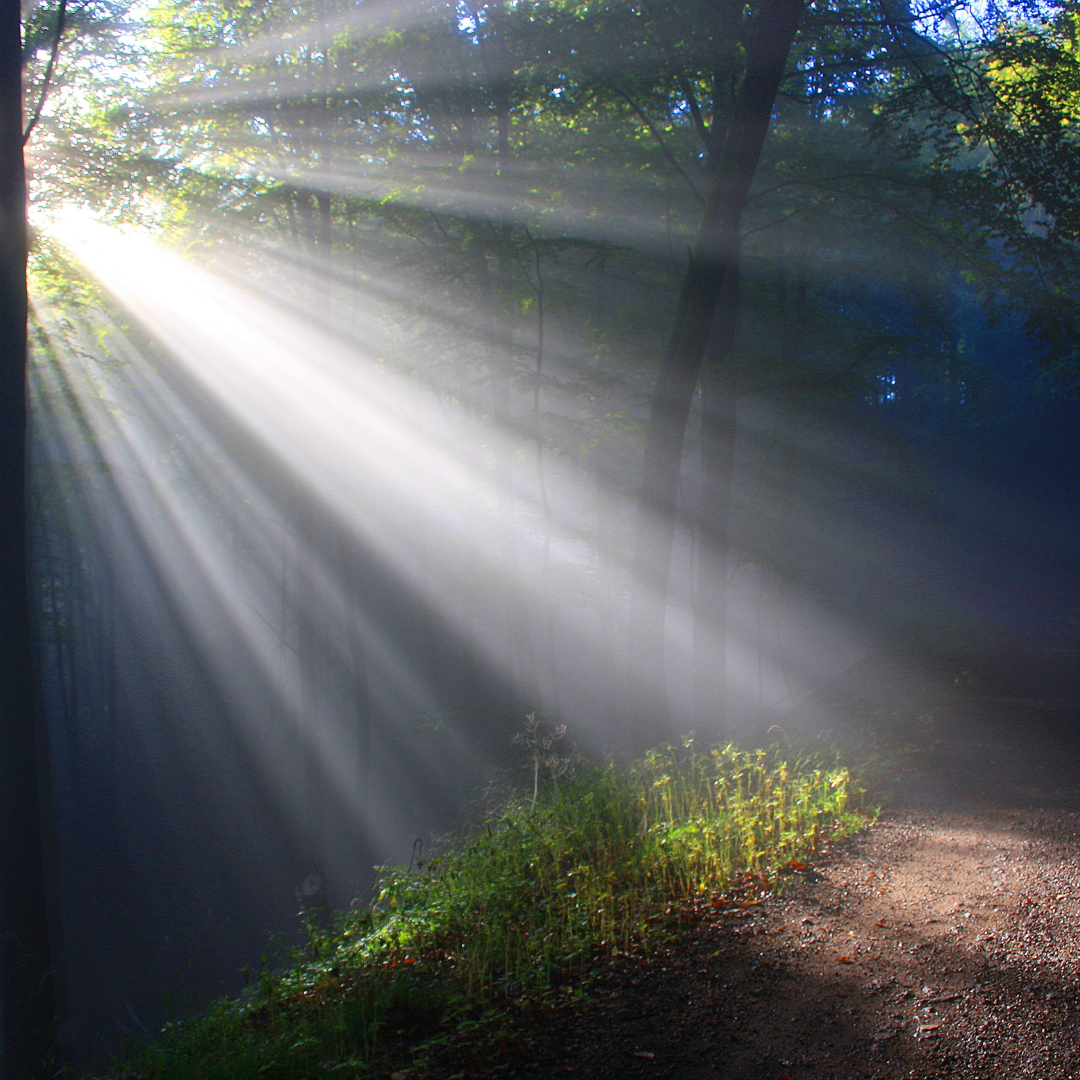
(589,863)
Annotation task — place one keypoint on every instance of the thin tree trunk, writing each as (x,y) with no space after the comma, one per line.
(791,297)
(715,256)
(27,1008)
(718,429)
(521,667)
(324,247)
(497,296)
(541,479)
(523,673)
(315,722)
(352,569)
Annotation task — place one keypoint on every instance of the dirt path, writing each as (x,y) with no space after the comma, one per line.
(943,942)
(936,945)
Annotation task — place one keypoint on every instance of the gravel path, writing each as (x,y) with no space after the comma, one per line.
(942,942)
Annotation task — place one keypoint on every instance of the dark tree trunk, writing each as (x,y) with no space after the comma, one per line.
(26,991)
(715,255)
(714,523)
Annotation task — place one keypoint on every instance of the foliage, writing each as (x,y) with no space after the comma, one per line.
(502,167)
(996,122)
(541,890)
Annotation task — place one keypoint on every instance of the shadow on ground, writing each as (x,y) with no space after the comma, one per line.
(941,942)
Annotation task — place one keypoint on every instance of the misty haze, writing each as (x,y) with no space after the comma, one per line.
(454,427)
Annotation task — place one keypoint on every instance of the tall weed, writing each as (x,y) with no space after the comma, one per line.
(554,878)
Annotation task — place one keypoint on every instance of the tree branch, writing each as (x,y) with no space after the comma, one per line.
(61,19)
(663,145)
(695,114)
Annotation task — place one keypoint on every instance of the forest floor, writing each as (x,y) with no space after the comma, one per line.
(944,941)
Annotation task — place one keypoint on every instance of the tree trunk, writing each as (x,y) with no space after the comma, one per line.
(715,256)
(27,1009)
(714,523)
(323,270)
(353,568)
(521,672)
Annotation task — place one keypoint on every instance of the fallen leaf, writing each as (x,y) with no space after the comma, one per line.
(844,960)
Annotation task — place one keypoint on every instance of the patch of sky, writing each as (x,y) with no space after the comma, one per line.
(467,20)
(941,20)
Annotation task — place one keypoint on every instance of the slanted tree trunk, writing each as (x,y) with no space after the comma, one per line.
(26,992)
(715,256)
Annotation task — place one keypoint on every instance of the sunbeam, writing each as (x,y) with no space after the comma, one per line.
(404,374)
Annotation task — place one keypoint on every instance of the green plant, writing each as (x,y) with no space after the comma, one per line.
(545,757)
(551,882)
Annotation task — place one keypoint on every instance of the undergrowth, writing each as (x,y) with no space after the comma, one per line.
(582,867)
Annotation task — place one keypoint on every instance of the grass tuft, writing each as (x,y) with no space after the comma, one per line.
(554,880)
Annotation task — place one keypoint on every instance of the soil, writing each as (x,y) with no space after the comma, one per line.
(944,941)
